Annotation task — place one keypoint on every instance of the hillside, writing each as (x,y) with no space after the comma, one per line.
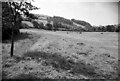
(83,23)
(61,20)
(61,23)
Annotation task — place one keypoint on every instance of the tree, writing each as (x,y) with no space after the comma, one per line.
(103,29)
(7,19)
(118,28)
(17,8)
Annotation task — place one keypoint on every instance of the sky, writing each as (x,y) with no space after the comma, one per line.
(96,12)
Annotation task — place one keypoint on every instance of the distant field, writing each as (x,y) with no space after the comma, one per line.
(62,54)
(107,40)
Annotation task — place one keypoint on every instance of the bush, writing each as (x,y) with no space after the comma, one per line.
(38,25)
(49,26)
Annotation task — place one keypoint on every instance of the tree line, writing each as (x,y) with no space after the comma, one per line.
(107,28)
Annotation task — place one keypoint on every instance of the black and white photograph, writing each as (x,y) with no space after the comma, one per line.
(59,40)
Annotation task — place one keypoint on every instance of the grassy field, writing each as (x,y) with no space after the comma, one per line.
(45,54)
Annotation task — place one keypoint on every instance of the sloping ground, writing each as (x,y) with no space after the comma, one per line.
(27,24)
(58,55)
(78,25)
(42,21)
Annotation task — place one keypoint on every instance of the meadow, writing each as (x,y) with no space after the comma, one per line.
(42,54)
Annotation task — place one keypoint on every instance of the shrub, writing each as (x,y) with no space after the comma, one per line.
(38,25)
(49,26)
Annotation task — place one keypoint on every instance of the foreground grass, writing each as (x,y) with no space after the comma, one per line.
(41,65)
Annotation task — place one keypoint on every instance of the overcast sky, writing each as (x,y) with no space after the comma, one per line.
(100,12)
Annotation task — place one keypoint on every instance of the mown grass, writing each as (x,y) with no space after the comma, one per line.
(57,61)
(60,62)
